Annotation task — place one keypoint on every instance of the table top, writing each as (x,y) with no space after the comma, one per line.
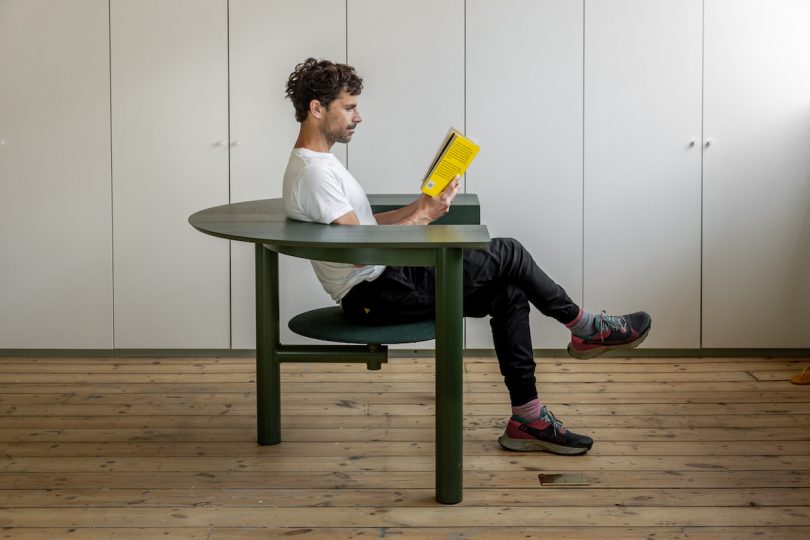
(266,222)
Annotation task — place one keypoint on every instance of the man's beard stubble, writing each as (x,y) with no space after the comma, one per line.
(338,135)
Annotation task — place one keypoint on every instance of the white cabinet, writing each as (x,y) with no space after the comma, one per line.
(642,230)
(55,219)
(524,105)
(756,247)
(651,154)
(170,159)
(266,42)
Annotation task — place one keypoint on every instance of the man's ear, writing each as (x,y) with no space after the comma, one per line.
(316,108)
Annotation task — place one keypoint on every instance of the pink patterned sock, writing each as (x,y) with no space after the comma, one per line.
(528,411)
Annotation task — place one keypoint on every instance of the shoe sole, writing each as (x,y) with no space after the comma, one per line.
(535,445)
(584,355)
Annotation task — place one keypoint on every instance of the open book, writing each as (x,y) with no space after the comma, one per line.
(454,156)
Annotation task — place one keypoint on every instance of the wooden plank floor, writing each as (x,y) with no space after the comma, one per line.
(144,448)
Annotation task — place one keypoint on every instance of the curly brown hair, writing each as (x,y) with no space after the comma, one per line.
(322,80)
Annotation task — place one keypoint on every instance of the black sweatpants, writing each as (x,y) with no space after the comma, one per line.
(500,280)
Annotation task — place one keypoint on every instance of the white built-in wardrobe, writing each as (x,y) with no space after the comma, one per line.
(651,154)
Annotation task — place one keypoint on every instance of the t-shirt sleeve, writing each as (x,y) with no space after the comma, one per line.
(321,196)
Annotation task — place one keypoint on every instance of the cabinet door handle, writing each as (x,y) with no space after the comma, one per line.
(222,142)
(235,143)
(692,143)
(708,142)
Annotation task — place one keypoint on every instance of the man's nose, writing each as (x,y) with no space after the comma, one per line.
(357,118)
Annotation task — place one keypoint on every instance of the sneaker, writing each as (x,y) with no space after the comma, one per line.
(613,334)
(546,434)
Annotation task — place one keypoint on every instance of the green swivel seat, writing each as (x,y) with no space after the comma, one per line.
(330,324)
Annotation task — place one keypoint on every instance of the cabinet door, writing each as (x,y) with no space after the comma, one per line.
(410,54)
(266,42)
(642,170)
(524,105)
(170,159)
(756,167)
(55,212)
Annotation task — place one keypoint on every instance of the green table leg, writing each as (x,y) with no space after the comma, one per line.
(449,375)
(268,387)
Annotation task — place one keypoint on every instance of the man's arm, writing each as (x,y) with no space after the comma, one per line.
(424,210)
(349,218)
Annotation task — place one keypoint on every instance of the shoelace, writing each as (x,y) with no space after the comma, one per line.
(611,322)
(546,416)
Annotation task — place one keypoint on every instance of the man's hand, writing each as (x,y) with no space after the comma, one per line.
(432,208)
(424,210)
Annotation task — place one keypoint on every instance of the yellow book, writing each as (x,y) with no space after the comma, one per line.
(454,156)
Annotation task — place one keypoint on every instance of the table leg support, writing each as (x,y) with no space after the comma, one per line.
(268,387)
(449,375)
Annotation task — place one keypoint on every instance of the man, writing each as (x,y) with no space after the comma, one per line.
(501,280)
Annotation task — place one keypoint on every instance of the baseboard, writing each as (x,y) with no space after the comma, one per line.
(129,353)
(398,353)
(667,353)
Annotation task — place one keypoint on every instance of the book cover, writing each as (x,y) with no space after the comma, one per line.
(454,156)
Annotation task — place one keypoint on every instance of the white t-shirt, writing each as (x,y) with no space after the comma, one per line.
(318,188)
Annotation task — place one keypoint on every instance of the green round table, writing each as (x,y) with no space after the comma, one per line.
(265,224)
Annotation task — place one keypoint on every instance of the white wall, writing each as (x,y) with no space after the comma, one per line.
(756,233)
(263,129)
(55,191)
(585,110)
(169,118)
(524,104)
(642,171)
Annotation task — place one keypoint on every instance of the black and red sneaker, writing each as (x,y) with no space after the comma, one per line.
(546,434)
(612,334)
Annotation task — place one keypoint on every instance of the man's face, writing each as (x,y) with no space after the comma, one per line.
(341,118)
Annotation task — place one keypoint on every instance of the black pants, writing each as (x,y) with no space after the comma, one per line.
(500,280)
